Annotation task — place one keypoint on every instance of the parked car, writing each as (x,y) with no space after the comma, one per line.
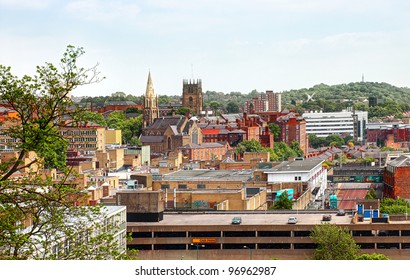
(292,220)
(236,220)
(341,212)
(326,217)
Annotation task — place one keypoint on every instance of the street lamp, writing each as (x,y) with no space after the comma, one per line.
(197,249)
(250,251)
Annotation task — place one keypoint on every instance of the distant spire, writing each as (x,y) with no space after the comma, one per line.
(149,93)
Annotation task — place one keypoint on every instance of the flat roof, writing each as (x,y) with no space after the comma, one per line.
(188,219)
(210,175)
(295,166)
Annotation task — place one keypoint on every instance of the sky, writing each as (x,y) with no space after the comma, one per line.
(231,45)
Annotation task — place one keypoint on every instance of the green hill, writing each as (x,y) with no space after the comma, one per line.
(352,91)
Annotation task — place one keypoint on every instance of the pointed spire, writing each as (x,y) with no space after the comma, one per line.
(149,93)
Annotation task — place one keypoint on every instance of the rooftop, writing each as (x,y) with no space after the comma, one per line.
(211,175)
(295,166)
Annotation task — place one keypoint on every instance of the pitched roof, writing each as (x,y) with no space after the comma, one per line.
(151,138)
(401,161)
(164,122)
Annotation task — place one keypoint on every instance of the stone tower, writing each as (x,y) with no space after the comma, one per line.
(151,111)
(192,95)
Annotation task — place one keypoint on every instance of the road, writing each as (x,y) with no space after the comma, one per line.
(348,193)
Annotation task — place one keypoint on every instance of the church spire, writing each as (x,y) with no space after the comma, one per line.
(149,93)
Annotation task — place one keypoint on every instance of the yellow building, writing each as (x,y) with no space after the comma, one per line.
(113,137)
(86,140)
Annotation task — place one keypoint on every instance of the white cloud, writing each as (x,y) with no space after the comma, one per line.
(27,4)
(94,10)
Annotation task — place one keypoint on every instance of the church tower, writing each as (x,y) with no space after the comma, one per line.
(192,95)
(151,111)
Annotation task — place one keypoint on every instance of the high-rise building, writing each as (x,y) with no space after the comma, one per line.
(266,102)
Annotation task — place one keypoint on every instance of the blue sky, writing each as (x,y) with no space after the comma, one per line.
(232,45)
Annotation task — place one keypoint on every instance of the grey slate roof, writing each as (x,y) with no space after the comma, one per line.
(401,161)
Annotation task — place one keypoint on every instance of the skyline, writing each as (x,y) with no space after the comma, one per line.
(230,45)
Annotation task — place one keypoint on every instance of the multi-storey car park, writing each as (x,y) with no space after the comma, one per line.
(260,235)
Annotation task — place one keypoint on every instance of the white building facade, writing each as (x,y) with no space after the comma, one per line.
(309,172)
(340,123)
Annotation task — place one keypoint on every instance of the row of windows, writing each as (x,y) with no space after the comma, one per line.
(79,132)
(82,139)
(183,186)
(83,146)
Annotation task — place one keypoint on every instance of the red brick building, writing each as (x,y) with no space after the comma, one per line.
(119,106)
(292,125)
(237,128)
(396,178)
(204,151)
(269,101)
(380,133)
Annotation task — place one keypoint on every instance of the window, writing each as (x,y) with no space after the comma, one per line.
(182,186)
(164,186)
(200,186)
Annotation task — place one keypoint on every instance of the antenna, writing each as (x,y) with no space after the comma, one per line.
(362,78)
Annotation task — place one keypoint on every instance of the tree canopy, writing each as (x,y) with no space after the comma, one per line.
(27,196)
(333,243)
(283,203)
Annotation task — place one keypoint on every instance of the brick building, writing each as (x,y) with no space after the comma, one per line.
(387,133)
(204,151)
(396,178)
(112,106)
(293,128)
(166,134)
(266,102)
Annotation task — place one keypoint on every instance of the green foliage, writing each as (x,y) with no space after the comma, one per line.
(283,151)
(232,107)
(275,130)
(183,110)
(394,206)
(371,194)
(283,203)
(43,105)
(296,148)
(338,97)
(130,128)
(372,257)
(132,111)
(88,116)
(333,243)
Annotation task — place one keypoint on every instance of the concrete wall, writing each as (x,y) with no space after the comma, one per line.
(156,185)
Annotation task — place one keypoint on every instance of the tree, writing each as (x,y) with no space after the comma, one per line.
(296,148)
(283,203)
(130,128)
(215,106)
(88,116)
(43,106)
(371,194)
(333,243)
(232,107)
(183,110)
(275,130)
(372,257)
(283,151)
